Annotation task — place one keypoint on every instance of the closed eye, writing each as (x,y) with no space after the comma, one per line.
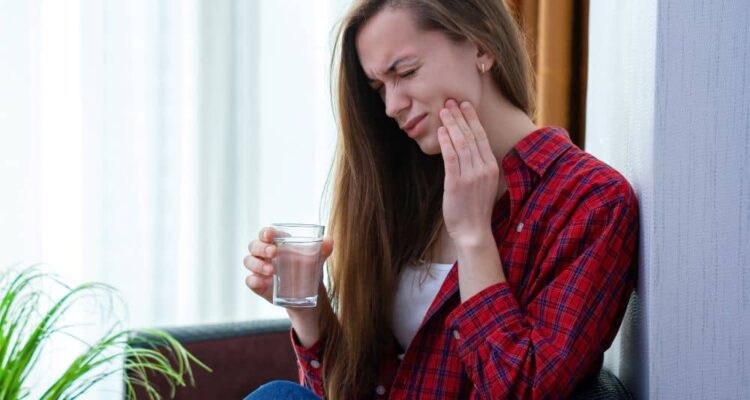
(407,74)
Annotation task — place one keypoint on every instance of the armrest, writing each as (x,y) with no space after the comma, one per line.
(604,386)
(242,356)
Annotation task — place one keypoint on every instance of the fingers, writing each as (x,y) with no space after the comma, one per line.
(450,158)
(259,284)
(260,279)
(258,265)
(326,248)
(262,249)
(481,141)
(267,234)
(468,134)
(258,262)
(458,139)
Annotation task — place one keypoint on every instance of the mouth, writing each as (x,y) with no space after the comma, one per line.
(412,124)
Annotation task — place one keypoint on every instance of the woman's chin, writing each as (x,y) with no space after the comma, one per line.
(431,152)
(429,145)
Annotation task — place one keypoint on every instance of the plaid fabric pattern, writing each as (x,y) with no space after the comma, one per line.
(566,231)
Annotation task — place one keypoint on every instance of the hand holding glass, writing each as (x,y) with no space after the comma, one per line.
(298,266)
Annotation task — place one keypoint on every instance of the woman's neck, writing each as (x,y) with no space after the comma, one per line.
(442,251)
(505,125)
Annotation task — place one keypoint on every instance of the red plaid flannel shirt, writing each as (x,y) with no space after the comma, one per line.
(567,231)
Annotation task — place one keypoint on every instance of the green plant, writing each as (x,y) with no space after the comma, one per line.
(25,327)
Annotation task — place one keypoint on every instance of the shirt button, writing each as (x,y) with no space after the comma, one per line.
(315,364)
(519,227)
(456,335)
(400,356)
(380,390)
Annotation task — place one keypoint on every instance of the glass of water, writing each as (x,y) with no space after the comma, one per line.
(298,269)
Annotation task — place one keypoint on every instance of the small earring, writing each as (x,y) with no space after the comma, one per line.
(481,67)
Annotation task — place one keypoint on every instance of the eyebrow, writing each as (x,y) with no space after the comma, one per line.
(392,68)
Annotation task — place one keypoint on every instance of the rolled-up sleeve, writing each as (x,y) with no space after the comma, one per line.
(310,362)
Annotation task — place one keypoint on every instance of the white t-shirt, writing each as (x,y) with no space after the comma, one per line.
(416,291)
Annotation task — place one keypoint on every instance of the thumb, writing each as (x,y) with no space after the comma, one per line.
(326,248)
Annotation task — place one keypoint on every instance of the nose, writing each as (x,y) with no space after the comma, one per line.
(395,101)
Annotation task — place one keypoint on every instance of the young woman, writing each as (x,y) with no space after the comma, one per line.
(476,255)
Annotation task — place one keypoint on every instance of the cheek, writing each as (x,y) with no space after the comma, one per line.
(458,82)
(434,124)
(436,96)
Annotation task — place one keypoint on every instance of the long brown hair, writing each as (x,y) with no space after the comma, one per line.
(387,194)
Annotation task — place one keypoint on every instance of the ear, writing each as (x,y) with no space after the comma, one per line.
(485,57)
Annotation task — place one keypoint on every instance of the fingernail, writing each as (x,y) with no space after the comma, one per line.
(465,105)
(267,269)
(269,250)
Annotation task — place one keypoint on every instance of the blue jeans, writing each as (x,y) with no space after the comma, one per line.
(282,390)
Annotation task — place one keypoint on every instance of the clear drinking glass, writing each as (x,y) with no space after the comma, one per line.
(298,269)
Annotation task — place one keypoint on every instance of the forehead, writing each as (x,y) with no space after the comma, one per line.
(387,36)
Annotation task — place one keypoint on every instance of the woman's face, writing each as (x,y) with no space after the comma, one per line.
(415,72)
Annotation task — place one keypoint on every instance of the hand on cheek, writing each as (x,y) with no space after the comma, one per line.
(471,173)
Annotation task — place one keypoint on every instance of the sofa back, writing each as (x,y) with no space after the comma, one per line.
(242,356)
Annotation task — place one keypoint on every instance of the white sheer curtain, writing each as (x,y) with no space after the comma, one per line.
(143,143)
(623,44)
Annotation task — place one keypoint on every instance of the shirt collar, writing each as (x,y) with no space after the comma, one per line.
(538,150)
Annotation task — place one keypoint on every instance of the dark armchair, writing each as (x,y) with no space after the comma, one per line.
(244,356)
